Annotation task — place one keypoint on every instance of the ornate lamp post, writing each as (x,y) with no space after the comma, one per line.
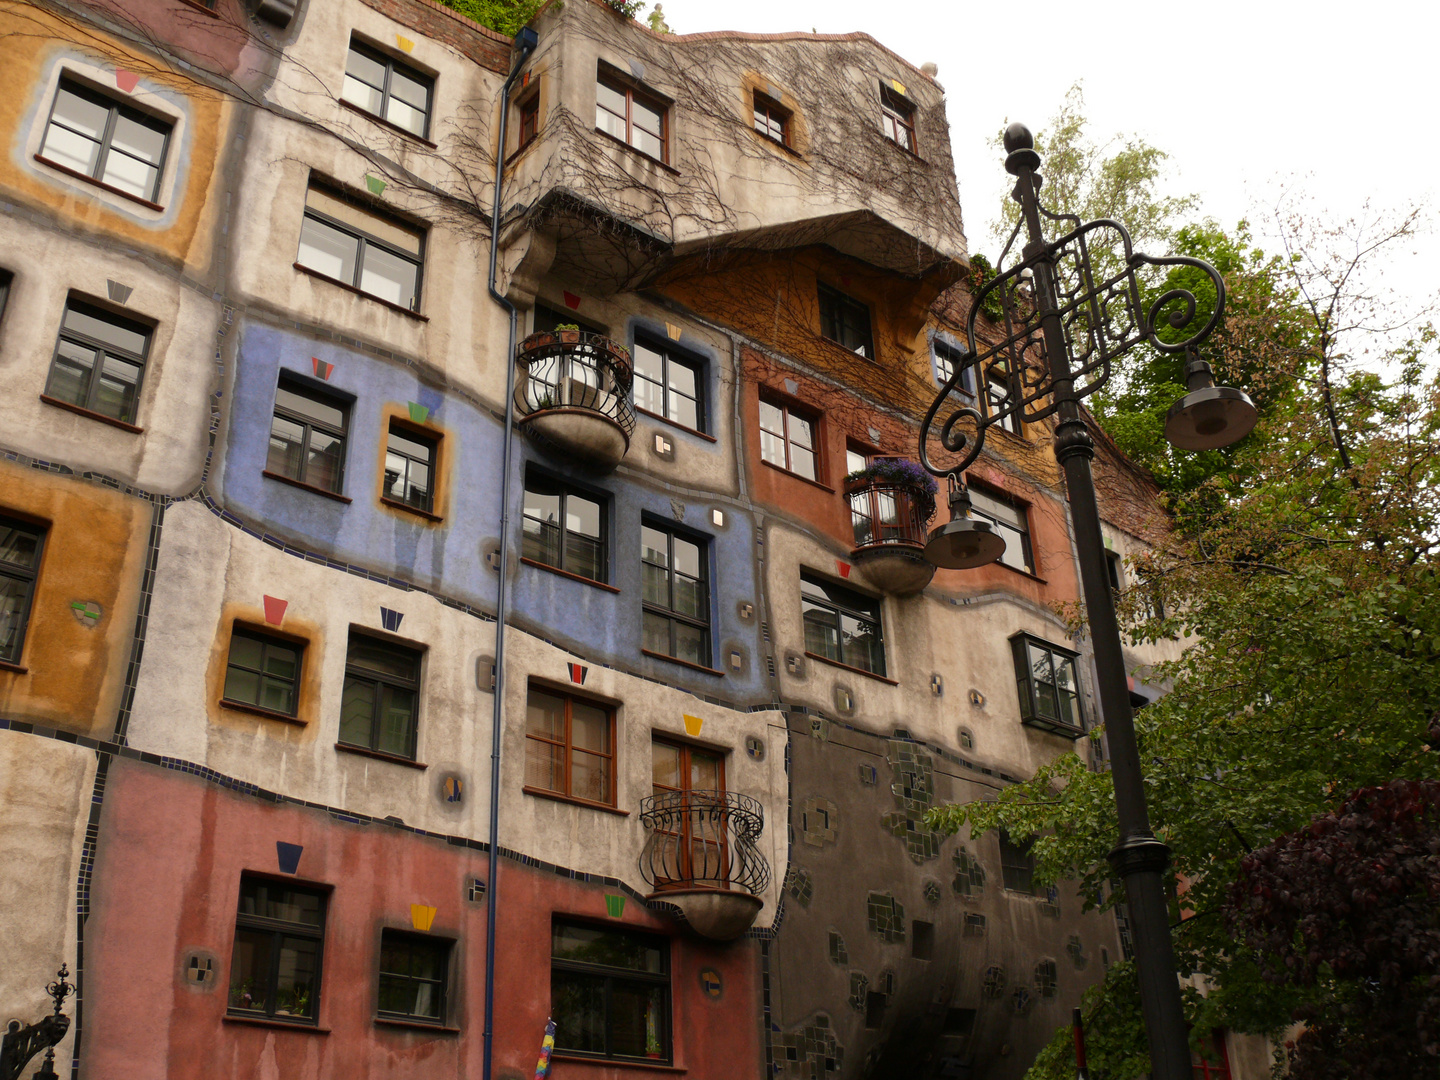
(1065,321)
(22,1042)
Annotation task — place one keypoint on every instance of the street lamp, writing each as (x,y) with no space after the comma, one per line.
(1064,321)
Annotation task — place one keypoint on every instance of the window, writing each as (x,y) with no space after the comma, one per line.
(564,529)
(569,746)
(772,119)
(630,115)
(99,361)
(1017,863)
(275,968)
(998,388)
(413,972)
(787,439)
(6,277)
(96,136)
(529,125)
(846,321)
(1011,522)
(947,358)
(307,436)
(1210,1060)
(1113,571)
(377,254)
(842,625)
(922,939)
(610,992)
(263,672)
(381,699)
(410,468)
(388,89)
(1049,690)
(676,595)
(20,547)
(897,118)
(668,384)
(695,853)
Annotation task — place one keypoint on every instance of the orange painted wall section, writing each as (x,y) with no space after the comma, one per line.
(94,551)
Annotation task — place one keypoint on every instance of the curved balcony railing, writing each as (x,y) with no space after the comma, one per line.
(889,512)
(703,840)
(569,373)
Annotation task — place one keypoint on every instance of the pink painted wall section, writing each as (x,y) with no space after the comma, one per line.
(166,885)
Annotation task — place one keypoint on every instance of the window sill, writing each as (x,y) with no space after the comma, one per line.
(856,670)
(365,751)
(385,123)
(17,669)
(256,710)
(90,414)
(638,153)
(616,1063)
(684,663)
(398,505)
(1022,572)
(777,144)
(913,155)
(567,574)
(361,292)
(111,188)
(416,1025)
(201,7)
(797,476)
(546,793)
(1053,727)
(519,151)
(268,1022)
(678,427)
(304,486)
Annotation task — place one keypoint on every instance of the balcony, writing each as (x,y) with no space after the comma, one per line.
(701,855)
(891,503)
(573,394)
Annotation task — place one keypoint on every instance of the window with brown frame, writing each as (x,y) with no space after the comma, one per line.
(569,746)
(787,439)
(632,116)
(897,116)
(772,119)
(529,125)
(693,778)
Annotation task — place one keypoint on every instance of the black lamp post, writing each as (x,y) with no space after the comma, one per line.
(1064,321)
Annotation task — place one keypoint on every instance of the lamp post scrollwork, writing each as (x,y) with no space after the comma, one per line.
(21,1042)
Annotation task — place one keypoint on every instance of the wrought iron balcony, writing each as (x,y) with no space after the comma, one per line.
(702,855)
(891,504)
(573,393)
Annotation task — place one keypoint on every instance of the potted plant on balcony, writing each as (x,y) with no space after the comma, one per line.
(537,340)
(569,333)
(901,472)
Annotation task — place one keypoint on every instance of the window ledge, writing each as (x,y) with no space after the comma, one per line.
(856,670)
(18,669)
(398,505)
(638,153)
(1054,727)
(797,476)
(385,123)
(111,188)
(678,427)
(1022,572)
(268,714)
(304,486)
(416,1025)
(90,414)
(201,7)
(684,663)
(771,141)
(382,755)
(269,1022)
(546,793)
(617,1063)
(568,574)
(361,292)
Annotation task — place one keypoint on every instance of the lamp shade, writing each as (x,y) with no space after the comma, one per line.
(1209,418)
(963,543)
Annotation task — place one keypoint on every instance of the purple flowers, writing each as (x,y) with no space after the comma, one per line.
(897,470)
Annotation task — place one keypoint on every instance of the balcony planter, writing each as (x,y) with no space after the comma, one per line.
(891,503)
(701,857)
(573,394)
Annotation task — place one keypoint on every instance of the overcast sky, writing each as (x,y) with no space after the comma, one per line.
(1336,100)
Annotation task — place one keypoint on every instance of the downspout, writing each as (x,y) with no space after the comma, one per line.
(526,40)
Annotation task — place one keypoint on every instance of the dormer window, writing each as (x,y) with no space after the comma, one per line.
(772,119)
(897,118)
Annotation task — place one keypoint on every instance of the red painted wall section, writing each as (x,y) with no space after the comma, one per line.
(166,884)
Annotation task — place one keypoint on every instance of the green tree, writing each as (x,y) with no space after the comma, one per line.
(503,16)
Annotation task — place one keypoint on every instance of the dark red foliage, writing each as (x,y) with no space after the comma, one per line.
(1350,905)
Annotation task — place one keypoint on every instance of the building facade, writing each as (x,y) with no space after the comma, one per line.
(281,478)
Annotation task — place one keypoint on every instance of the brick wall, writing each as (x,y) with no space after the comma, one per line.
(429,19)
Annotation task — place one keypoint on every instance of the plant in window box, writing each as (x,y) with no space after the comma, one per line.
(538,340)
(892,501)
(569,332)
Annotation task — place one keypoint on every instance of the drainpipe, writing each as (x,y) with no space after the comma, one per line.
(525,40)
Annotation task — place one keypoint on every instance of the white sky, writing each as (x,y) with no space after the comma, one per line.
(1337,100)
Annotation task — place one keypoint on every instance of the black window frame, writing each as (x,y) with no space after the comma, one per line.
(29,574)
(1017,863)
(897,116)
(1000,387)
(843,601)
(671,354)
(840,314)
(1007,529)
(673,615)
(279,929)
(769,113)
(356,671)
(116,109)
(442,947)
(7,281)
(804,416)
(1031,712)
(618,84)
(541,483)
(428,439)
(947,356)
(391,65)
(364,241)
(303,388)
(101,351)
(611,975)
(253,633)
